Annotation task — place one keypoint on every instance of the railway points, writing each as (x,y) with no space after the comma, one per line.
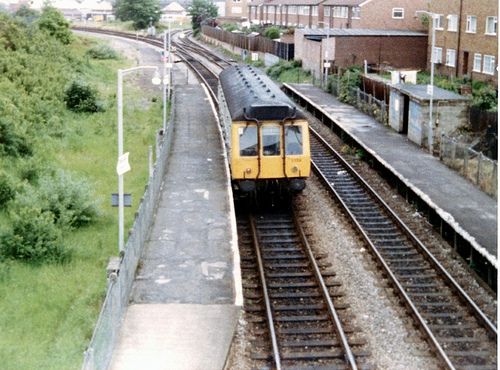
(466,215)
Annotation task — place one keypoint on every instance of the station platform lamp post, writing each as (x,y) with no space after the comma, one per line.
(326,65)
(430,87)
(123,166)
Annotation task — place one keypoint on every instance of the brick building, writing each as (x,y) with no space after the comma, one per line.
(365,14)
(236,9)
(466,43)
(347,47)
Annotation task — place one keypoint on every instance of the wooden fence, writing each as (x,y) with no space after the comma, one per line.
(258,44)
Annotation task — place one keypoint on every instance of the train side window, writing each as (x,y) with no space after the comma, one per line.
(271,140)
(293,140)
(248,141)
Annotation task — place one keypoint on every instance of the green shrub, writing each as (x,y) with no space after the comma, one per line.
(71,200)
(7,188)
(485,99)
(272,33)
(82,98)
(102,52)
(350,78)
(34,238)
(11,141)
(53,21)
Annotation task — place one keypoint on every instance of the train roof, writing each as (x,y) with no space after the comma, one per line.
(250,94)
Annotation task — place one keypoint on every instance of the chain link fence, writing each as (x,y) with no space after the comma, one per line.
(473,165)
(121,276)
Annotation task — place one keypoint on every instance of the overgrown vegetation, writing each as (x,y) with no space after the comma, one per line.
(289,71)
(57,170)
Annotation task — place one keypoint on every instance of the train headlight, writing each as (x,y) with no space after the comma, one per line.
(295,169)
(248,170)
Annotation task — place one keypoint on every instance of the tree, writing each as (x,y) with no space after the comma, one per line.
(201,10)
(272,33)
(53,21)
(141,12)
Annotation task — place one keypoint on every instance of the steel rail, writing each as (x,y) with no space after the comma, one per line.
(326,295)
(267,301)
(480,316)
(482,319)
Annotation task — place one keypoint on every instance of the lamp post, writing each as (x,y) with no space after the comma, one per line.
(327,63)
(430,88)
(121,169)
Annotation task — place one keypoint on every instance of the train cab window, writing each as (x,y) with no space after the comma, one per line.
(271,140)
(248,141)
(293,140)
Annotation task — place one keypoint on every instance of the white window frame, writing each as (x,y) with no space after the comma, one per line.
(437,55)
(439,22)
(452,22)
(471,24)
(356,12)
(398,13)
(271,9)
(451,57)
(478,62)
(491,25)
(327,11)
(489,64)
(292,9)
(315,10)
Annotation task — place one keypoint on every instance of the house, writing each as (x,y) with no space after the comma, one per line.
(347,47)
(365,14)
(466,39)
(236,9)
(174,11)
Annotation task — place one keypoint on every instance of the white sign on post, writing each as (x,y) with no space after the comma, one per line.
(123,165)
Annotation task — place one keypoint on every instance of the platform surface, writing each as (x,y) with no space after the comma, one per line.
(186,297)
(472,213)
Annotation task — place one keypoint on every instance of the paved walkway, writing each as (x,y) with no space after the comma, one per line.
(186,297)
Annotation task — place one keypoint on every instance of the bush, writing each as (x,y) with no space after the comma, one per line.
(102,52)
(350,78)
(34,238)
(7,189)
(485,99)
(82,98)
(70,200)
(272,33)
(13,143)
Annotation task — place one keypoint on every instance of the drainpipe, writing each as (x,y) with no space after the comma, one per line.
(459,30)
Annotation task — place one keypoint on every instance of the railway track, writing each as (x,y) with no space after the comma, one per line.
(459,333)
(293,301)
(185,49)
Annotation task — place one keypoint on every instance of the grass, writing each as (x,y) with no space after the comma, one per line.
(48,313)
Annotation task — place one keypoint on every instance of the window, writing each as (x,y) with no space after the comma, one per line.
(292,9)
(293,140)
(270,9)
(491,25)
(439,21)
(451,57)
(248,141)
(340,11)
(478,58)
(315,10)
(283,9)
(304,10)
(398,13)
(356,12)
(437,55)
(271,140)
(471,24)
(327,11)
(489,64)
(452,22)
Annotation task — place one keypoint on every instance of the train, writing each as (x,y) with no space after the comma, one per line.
(265,134)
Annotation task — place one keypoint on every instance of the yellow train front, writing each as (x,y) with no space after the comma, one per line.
(266,135)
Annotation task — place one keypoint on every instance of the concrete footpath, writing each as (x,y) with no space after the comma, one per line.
(186,298)
(471,212)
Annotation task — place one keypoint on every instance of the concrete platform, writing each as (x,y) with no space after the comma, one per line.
(472,213)
(186,297)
